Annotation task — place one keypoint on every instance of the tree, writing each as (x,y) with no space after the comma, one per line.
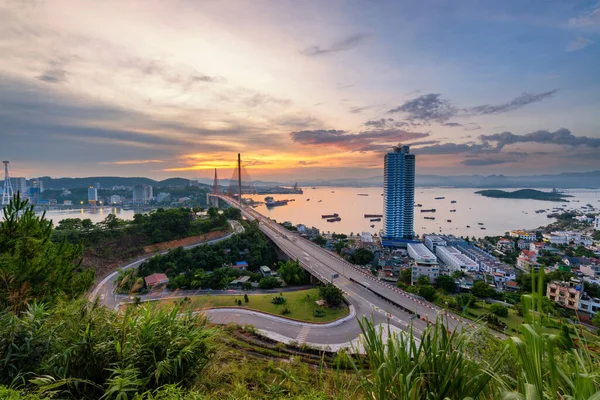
(246,299)
(213,212)
(423,280)
(596,320)
(446,282)
(427,292)
(339,246)
(269,282)
(331,294)
(362,257)
(499,310)
(233,213)
(292,273)
(32,267)
(482,289)
(320,240)
(406,275)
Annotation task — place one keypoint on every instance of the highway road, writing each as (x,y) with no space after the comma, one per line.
(371,297)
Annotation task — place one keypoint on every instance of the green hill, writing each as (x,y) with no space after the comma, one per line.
(531,194)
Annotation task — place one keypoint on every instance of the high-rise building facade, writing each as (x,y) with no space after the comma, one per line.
(399,194)
(92,195)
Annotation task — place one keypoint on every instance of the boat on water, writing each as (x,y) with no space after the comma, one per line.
(439,198)
(373,215)
(270,202)
(330,215)
(375,220)
(312,187)
(483,228)
(453,202)
(332,191)
(307,199)
(429,210)
(372,226)
(363,194)
(468,226)
(431,218)
(452,210)
(480,223)
(334,219)
(418,205)
(319,201)
(448,220)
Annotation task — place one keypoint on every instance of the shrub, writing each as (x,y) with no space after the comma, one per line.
(278,300)
(285,311)
(499,310)
(269,282)
(319,313)
(246,299)
(332,295)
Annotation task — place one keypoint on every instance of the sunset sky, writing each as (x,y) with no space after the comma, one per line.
(303,89)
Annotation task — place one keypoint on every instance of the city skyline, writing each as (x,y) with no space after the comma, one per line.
(301,89)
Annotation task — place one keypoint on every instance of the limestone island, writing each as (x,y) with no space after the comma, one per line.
(531,194)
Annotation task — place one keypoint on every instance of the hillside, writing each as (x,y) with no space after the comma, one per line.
(110,181)
(531,194)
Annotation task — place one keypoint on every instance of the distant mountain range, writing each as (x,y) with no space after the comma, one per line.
(563,181)
(566,180)
(107,182)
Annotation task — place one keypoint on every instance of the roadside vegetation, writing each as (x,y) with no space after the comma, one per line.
(113,241)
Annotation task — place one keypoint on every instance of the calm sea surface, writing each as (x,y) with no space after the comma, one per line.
(497,215)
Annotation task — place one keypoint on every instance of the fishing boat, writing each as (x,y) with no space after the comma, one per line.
(448,220)
(480,223)
(429,210)
(334,219)
(319,201)
(363,194)
(375,219)
(431,218)
(452,210)
(439,198)
(453,202)
(307,199)
(483,228)
(373,215)
(418,205)
(330,215)
(468,226)
(372,226)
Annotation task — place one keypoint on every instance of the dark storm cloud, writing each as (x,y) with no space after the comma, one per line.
(479,162)
(432,107)
(562,136)
(342,45)
(363,141)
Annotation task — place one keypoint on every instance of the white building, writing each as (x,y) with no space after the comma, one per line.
(566,237)
(455,260)
(21,187)
(590,270)
(425,262)
(521,234)
(583,218)
(420,253)
(597,223)
(433,241)
(142,194)
(366,239)
(588,304)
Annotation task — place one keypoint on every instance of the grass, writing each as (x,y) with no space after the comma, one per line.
(301,304)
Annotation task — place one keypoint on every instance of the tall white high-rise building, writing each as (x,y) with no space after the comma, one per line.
(21,187)
(399,194)
(92,194)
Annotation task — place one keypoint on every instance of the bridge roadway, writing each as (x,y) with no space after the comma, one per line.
(370,296)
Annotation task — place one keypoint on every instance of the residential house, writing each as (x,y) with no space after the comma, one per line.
(522,234)
(566,294)
(241,265)
(526,260)
(156,280)
(265,271)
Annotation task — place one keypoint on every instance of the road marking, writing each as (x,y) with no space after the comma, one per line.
(301,338)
